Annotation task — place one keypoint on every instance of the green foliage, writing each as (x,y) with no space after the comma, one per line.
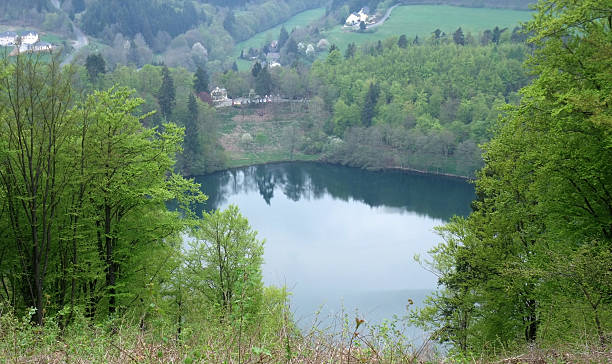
(94,233)
(528,264)
(421,20)
(257,40)
(95,65)
(223,263)
(138,16)
(402,42)
(200,81)
(263,82)
(368,112)
(166,94)
(428,115)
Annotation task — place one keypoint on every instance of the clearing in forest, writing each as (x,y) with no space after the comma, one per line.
(422,20)
(258,40)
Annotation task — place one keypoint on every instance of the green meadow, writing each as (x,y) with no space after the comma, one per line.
(299,20)
(422,20)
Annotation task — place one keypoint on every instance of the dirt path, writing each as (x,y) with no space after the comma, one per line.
(80,41)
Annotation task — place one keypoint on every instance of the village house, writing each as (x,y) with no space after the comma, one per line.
(357,18)
(29,37)
(41,47)
(8,39)
(36,47)
(219,95)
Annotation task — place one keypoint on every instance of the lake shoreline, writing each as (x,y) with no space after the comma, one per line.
(321,161)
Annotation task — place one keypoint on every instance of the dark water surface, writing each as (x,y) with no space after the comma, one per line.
(339,237)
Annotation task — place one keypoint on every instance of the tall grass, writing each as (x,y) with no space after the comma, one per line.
(274,339)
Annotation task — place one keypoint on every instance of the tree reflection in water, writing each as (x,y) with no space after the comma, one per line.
(438,197)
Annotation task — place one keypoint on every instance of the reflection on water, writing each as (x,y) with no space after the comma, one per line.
(434,196)
(342,237)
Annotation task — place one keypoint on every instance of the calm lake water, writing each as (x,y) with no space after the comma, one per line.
(342,238)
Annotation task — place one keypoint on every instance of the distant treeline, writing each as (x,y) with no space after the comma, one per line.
(504,4)
(355,5)
(262,15)
(139,16)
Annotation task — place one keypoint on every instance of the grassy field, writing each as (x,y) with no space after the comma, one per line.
(422,20)
(273,130)
(258,40)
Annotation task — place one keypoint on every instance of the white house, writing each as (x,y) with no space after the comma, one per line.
(29,37)
(8,38)
(356,18)
(41,47)
(219,94)
(36,47)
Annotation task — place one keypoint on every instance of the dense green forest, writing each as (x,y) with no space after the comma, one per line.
(95,208)
(418,106)
(185,33)
(532,262)
(422,104)
(399,103)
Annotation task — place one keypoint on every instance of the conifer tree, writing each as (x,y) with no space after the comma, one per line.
(166,94)
(200,80)
(369,106)
(283,37)
(459,37)
(402,42)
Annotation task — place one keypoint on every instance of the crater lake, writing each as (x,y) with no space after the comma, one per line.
(342,240)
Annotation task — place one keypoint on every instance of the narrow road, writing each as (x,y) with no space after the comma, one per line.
(384,18)
(81,39)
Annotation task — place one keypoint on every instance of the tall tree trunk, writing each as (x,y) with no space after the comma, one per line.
(111,278)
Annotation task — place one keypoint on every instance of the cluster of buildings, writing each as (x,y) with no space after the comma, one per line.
(220,99)
(28,41)
(356,18)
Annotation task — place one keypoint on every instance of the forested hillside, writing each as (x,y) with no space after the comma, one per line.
(531,265)
(402,103)
(425,107)
(106,254)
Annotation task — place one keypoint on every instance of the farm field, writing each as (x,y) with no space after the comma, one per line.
(422,20)
(299,20)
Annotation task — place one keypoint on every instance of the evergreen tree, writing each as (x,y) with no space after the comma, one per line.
(350,51)
(487,37)
(200,80)
(166,94)
(459,37)
(263,82)
(497,34)
(283,37)
(256,69)
(95,65)
(402,42)
(192,148)
(369,106)
(292,47)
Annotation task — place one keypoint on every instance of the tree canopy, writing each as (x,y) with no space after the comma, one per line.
(516,269)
